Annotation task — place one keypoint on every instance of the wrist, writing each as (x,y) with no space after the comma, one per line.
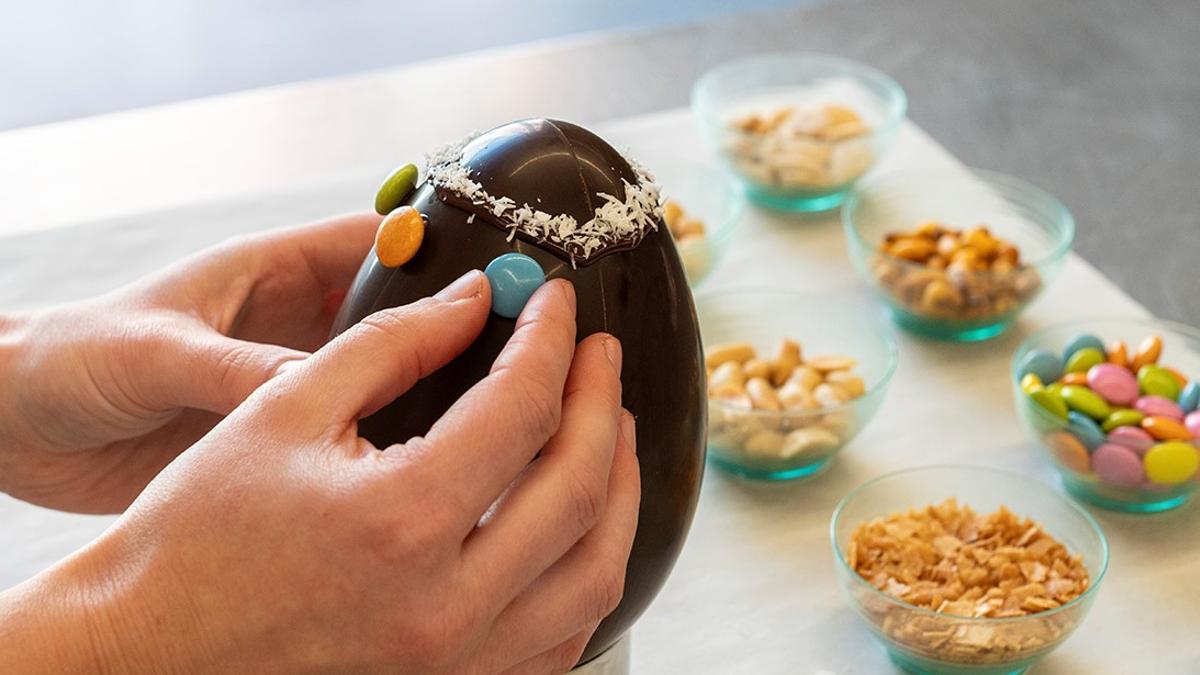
(96,612)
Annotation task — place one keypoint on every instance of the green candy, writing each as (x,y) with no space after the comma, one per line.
(1051,401)
(395,188)
(1082,360)
(1124,417)
(1086,401)
(1055,388)
(1156,381)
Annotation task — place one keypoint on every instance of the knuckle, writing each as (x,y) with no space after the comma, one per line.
(438,641)
(608,587)
(587,498)
(567,655)
(540,403)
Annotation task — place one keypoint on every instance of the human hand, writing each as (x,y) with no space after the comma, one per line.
(496,542)
(100,395)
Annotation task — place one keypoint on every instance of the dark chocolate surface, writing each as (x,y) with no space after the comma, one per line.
(639,295)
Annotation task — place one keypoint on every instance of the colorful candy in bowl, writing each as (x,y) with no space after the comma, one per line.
(956,254)
(959,569)
(1114,402)
(792,377)
(798,129)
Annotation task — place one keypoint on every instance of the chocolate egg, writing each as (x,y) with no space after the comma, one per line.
(600,227)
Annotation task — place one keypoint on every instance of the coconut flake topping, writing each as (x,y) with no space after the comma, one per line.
(614,221)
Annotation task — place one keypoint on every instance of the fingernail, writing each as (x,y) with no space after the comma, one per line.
(468,285)
(612,347)
(628,431)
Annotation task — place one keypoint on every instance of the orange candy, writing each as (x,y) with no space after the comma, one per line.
(1147,353)
(1179,377)
(1166,429)
(1069,451)
(1118,354)
(399,236)
(1079,379)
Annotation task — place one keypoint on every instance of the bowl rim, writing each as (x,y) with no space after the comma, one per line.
(895,102)
(1062,245)
(1093,584)
(876,390)
(733,204)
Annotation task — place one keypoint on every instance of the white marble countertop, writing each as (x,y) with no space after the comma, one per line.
(754,591)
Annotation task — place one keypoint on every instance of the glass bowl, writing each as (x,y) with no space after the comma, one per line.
(709,196)
(813,169)
(923,641)
(1068,445)
(957,304)
(797,442)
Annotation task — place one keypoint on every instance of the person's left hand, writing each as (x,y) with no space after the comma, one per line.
(98,396)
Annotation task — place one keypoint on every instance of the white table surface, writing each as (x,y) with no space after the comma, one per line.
(754,590)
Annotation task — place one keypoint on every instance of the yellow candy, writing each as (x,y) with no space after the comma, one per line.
(1030,382)
(1172,463)
(399,236)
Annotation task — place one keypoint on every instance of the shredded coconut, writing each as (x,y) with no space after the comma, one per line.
(614,221)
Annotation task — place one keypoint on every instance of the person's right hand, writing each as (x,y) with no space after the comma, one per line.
(283,540)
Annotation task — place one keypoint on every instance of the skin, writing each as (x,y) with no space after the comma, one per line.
(275,537)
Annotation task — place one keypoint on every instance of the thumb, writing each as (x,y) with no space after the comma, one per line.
(217,373)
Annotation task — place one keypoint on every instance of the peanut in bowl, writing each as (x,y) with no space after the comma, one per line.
(791,419)
(956,254)
(1008,588)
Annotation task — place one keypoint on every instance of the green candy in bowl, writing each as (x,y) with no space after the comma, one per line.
(1122,429)
(798,128)
(793,378)
(1009,580)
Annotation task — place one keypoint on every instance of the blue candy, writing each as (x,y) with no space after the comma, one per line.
(1082,341)
(1085,429)
(1048,367)
(513,278)
(1189,398)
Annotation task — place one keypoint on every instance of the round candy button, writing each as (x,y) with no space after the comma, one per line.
(1123,417)
(399,236)
(1118,465)
(1085,429)
(1172,463)
(395,188)
(1157,381)
(1080,342)
(1048,367)
(1157,405)
(513,278)
(1083,359)
(1086,401)
(1192,423)
(1069,451)
(1116,384)
(1189,398)
(1134,438)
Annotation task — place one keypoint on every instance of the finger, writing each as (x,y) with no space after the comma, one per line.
(381,357)
(586,584)
(563,493)
(307,260)
(493,431)
(217,374)
(560,659)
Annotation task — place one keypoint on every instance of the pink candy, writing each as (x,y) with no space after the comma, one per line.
(1192,422)
(1118,465)
(1157,406)
(1116,384)
(1134,438)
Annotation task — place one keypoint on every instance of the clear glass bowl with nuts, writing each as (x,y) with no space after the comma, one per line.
(799,128)
(793,377)
(956,254)
(701,208)
(1008,587)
